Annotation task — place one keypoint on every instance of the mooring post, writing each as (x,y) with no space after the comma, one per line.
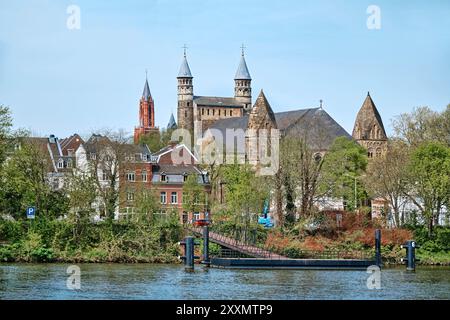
(189,254)
(205,260)
(378,247)
(410,259)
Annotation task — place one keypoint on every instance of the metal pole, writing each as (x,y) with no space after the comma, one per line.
(411,255)
(378,247)
(189,261)
(206,246)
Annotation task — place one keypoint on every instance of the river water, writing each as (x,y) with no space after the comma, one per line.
(146,281)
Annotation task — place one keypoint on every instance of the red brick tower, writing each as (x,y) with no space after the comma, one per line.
(146,114)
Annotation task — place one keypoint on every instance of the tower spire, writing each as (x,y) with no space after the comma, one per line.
(242,50)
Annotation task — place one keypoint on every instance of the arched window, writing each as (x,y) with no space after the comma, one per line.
(378,152)
(370,153)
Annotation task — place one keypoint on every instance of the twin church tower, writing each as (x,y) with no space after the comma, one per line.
(192,108)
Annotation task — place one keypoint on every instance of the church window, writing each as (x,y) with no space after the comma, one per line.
(214,111)
(219,112)
(378,152)
(203,111)
(370,153)
(207,112)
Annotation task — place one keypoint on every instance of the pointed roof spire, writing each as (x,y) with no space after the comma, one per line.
(242,71)
(146,94)
(185,71)
(172,124)
(367,117)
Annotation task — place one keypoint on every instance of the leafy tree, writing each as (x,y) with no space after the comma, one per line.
(194,195)
(111,151)
(429,170)
(152,140)
(344,164)
(300,169)
(423,125)
(387,176)
(146,205)
(25,182)
(82,192)
(5,131)
(245,192)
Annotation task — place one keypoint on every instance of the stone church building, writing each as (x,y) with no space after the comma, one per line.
(315,125)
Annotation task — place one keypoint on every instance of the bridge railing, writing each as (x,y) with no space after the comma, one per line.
(303,254)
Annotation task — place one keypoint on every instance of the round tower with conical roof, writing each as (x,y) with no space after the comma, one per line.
(185,96)
(243,85)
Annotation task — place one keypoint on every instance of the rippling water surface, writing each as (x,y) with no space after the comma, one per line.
(145,281)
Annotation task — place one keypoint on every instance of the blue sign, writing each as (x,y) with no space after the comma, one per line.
(31,212)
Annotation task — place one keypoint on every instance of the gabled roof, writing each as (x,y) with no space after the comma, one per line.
(72,142)
(260,108)
(242,71)
(185,71)
(367,117)
(314,125)
(217,102)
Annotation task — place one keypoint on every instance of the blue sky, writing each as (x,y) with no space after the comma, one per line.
(62,81)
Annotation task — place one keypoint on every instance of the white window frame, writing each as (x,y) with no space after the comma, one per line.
(144,176)
(130,196)
(172,195)
(131,174)
(162,195)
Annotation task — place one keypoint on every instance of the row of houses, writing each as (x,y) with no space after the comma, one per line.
(130,169)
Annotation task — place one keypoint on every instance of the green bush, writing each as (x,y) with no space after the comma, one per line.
(42,255)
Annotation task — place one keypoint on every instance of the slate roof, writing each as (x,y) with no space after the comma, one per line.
(146,95)
(185,71)
(217,102)
(175,169)
(314,125)
(172,124)
(242,71)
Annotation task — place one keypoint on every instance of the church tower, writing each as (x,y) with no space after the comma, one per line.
(242,85)
(146,114)
(261,120)
(185,97)
(369,130)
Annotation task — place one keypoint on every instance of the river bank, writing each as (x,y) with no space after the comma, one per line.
(156,242)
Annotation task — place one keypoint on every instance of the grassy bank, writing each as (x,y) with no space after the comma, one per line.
(46,240)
